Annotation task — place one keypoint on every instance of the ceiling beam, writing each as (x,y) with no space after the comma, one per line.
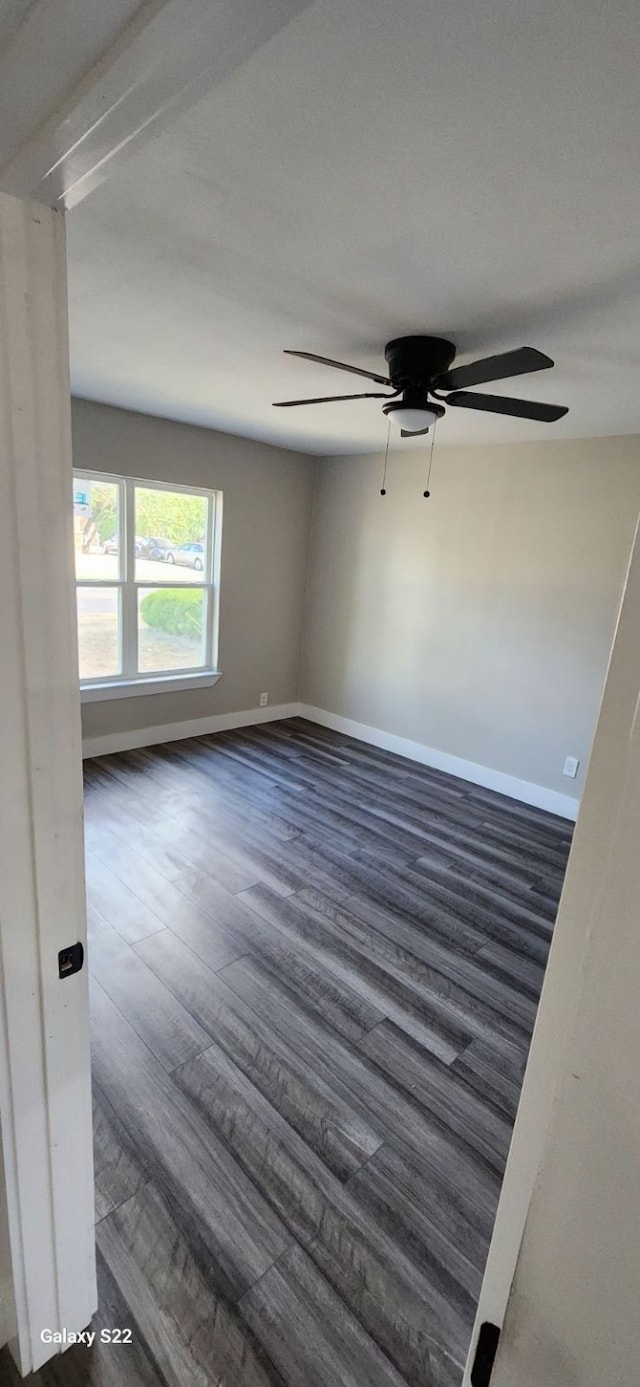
(80,86)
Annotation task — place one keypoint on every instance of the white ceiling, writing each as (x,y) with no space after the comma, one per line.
(375,169)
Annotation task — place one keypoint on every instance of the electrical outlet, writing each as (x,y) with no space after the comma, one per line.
(264,699)
(571,766)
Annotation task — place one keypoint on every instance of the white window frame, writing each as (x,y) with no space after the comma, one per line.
(130,681)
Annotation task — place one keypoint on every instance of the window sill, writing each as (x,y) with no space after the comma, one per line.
(131,688)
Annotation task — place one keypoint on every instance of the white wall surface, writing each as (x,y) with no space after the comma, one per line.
(478,622)
(7,1305)
(573,1316)
(267,501)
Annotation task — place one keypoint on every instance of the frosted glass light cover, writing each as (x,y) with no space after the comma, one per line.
(413,419)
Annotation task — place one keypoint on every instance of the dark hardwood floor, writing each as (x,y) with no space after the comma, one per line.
(315,970)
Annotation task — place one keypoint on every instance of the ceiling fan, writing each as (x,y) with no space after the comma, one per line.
(419,373)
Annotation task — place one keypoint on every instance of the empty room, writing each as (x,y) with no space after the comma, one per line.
(320,481)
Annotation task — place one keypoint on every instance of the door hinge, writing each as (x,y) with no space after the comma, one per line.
(486,1350)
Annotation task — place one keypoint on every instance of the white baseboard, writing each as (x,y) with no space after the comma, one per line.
(194,727)
(552,800)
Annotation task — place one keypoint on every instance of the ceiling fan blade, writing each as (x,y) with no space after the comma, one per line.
(503,404)
(516,363)
(413,433)
(327,399)
(340,365)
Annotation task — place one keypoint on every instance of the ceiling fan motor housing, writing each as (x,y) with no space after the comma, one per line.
(414,362)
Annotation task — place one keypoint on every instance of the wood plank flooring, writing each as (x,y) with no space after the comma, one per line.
(315,971)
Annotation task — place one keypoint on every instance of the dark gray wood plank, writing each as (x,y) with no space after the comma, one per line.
(213,1197)
(423,1213)
(441,1091)
(165,1026)
(118,1174)
(523,844)
(196,1334)
(441,1261)
(124,911)
(227,792)
(312,984)
(404,1312)
(361,1085)
(422,1015)
(343,1138)
(138,870)
(473,902)
(467,988)
(202,855)
(524,974)
(103,821)
(495,1072)
(310,1333)
(477,1002)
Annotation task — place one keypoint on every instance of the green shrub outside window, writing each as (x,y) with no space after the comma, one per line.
(176,611)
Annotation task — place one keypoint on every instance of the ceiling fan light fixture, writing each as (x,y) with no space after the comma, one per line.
(413,418)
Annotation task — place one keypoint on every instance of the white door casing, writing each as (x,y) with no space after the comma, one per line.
(45,1091)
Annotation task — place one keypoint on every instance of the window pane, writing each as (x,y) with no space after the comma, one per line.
(171,536)
(96,529)
(171,629)
(98,632)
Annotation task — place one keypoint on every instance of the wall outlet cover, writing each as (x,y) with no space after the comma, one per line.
(571,766)
(264,699)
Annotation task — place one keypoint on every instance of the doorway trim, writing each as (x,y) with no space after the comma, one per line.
(45,1084)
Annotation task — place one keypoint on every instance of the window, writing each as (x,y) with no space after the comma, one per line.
(146,583)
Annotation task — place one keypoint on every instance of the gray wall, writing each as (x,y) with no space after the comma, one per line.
(268,496)
(478,622)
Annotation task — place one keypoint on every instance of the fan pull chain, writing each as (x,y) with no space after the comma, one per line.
(383,488)
(426,493)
